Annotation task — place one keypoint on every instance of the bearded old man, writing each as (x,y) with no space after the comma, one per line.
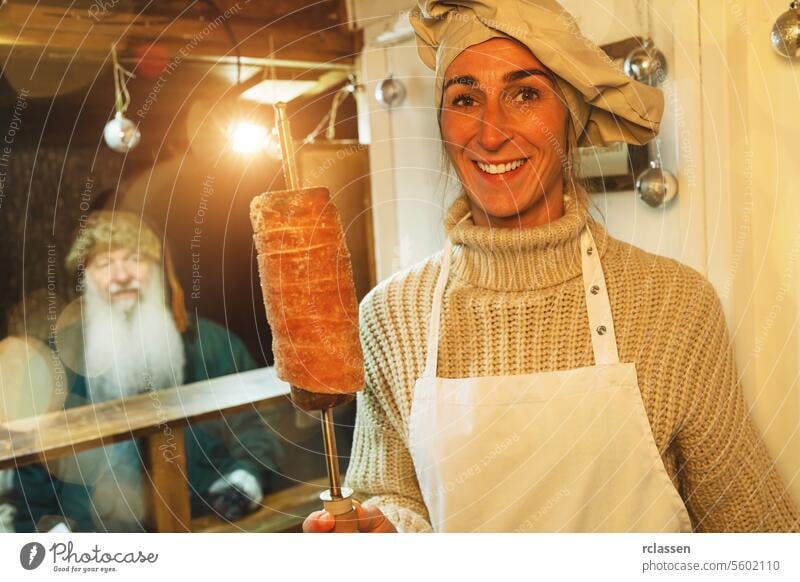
(133,337)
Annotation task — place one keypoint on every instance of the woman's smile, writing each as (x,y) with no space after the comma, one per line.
(501,170)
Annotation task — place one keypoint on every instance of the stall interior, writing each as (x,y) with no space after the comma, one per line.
(90,219)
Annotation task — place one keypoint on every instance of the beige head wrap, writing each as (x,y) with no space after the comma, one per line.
(604,104)
(107,230)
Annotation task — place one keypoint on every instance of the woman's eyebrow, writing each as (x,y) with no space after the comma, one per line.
(507,78)
(522,73)
(461,80)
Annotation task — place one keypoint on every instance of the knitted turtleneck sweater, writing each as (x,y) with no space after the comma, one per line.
(515,304)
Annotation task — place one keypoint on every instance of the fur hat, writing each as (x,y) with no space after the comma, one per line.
(107,230)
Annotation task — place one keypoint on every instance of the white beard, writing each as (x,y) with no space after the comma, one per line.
(131,349)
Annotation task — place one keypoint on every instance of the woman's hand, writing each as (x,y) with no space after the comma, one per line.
(370,520)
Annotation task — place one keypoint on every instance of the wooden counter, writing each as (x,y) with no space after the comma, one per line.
(156,417)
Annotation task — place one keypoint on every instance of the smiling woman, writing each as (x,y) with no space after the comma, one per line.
(538,374)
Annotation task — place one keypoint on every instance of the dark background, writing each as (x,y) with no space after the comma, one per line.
(58,155)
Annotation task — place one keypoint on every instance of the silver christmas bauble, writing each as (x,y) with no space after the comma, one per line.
(390,92)
(786,32)
(121,134)
(656,186)
(646,64)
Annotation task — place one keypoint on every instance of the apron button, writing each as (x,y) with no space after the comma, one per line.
(594,290)
(601,330)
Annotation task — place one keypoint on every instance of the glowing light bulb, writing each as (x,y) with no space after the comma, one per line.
(248,137)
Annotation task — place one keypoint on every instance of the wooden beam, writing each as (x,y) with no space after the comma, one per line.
(56,434)
(168,506)
(65,32)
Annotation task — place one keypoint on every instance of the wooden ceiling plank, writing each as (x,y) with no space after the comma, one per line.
(26,26)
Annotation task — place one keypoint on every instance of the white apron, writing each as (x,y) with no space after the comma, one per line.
(567,451)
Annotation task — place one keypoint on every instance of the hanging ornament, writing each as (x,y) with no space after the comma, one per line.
(121,134)
(656,186)
(646,64)
(390,92)
(786,32)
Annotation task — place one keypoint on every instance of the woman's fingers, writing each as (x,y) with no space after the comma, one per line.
(319,522)
(372,520)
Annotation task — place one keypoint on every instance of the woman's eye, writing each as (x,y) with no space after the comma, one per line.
(463,101)
(525,94)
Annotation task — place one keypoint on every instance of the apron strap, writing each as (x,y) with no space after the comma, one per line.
(598,307)
(601,324)
(431,361)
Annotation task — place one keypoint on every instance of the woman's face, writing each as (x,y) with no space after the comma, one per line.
(503,123)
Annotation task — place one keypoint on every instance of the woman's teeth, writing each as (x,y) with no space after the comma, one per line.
(500,168)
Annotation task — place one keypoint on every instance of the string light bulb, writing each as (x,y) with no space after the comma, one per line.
(248,137)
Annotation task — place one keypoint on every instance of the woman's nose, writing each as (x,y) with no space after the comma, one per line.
(493,131)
